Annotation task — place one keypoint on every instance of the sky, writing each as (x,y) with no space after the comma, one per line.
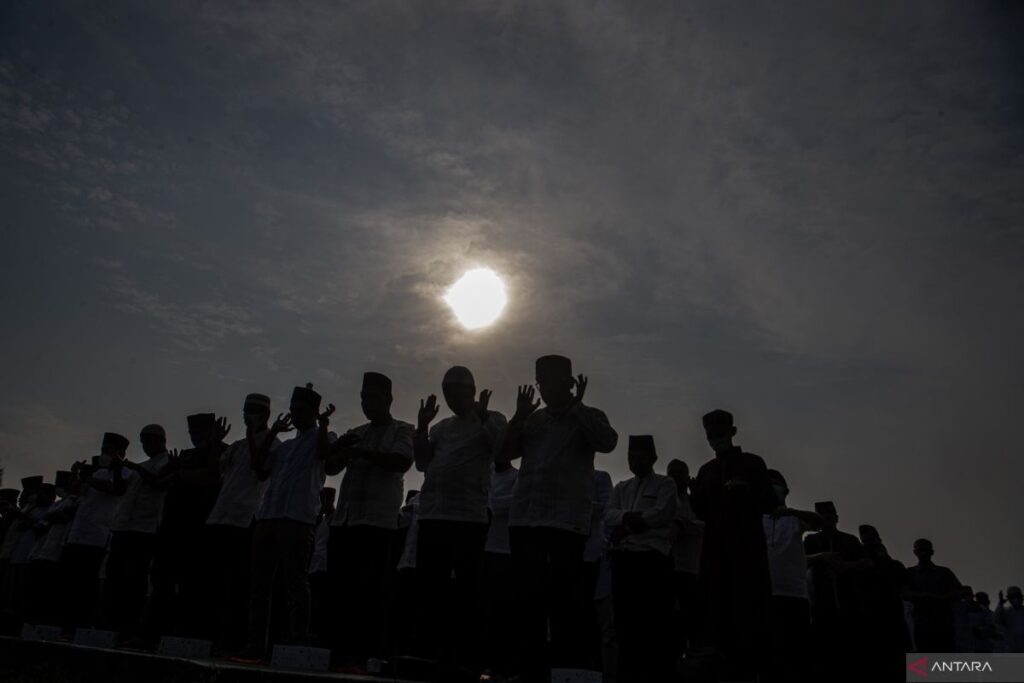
(810,214)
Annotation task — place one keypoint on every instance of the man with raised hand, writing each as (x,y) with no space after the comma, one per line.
(229,525)
(551,511)
(374,457)
(456,457)
(283,535)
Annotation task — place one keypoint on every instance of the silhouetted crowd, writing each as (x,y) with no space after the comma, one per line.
(489,569)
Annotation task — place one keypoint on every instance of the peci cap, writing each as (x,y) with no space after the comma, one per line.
(553,365)
(114,442)
(642,443)
(378,380)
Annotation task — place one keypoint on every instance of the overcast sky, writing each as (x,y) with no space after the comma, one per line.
(807,213)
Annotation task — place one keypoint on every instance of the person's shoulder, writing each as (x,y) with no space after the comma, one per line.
(753,458)
(497,416)
(402,426)
(664,480)
(602,477)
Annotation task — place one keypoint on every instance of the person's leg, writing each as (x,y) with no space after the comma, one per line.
(261,585)
(434,561)
(296,543)
(118,585)
(565,550)
(467,566)
(378,566)
(626,607)
(338,600)
(162,595)
(238,540)
(530,567)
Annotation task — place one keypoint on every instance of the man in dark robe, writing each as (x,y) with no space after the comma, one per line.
(730,495)
(885,629)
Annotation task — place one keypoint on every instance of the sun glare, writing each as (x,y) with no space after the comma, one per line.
(477,298)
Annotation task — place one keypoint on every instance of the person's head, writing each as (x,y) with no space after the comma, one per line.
(554,380)
(679,471)
(30,490)
(719,429)
(9,498)
(304,407)
(827,510)
(327,496)
(459,389)
(641,454)
(62,483)
(1014,595)
(202,429)
(376,396)
(779,486)
(923,550)
(46,494)
(981,597)
(256,412)
(868,534)
(153,439)
(114,446)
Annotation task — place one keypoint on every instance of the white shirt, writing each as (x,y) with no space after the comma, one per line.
(687,537)
(28,539)
(11,538)
(296,477)
(96,509)
(241,491)
(787,561)
(458,476)
(50,545)
(499,501)
(555,487)
(596,543)
(408,558)
(142,503)
(318,563)
(654,497)
(370,494)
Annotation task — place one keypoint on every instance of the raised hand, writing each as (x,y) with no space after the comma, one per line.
(580,382)
(283,423)
(222,428)
(525,403)
(428,411)
(481,405)
(325,417)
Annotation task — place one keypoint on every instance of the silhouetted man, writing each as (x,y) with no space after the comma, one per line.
(18,582)
(789,609)
(456,457)
(45,557)
(837,564)
(639,516)
(1010,619)
(229,525)
(687,535)
(283,535)
(374,457)
(182,590)
(983,624)
(318,577)
(133,535)
(881,596)
(595,556)
(551,510)
(730,495)
(499,593)
(932,590)
(86,544)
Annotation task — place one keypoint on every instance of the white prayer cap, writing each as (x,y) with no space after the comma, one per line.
(459,375)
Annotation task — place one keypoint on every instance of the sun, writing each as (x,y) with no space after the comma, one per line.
(477,298)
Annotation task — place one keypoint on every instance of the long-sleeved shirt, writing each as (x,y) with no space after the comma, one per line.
(371,495)
(556,475)
(296,476)
(142,503)
(654,497)
(91,525)
(500,501)
(241,492)
(596,542)
(50,545)
(458,475)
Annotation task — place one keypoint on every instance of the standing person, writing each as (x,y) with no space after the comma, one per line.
(731,494)
(551,509)
(597,616)
(283,535)
(318,586)
(983,623)
(19,580)
(229,525)
(89,534)
(456,457)
(885,630)
(1010,619)
(181,587)
(687,534)
(789,609)
(405,612)
(133,535)
(375,457)
(45,557)
(498,594)
(932,590)
(640,517)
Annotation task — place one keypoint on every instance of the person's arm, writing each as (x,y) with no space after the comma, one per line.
(613,513)
(512,443)
(115,487)
(699,498)
(148,477)
(323,436)
(399,458)
(595,427)
(809,521)
(261,454)
(422,446)
(664,509)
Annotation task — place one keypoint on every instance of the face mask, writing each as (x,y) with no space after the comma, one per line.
(780,492)
(720,444)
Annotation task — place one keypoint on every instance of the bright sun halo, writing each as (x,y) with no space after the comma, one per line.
(477,298)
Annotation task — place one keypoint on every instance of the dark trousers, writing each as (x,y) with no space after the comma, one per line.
(44,579)
(229,550)
(358,561)
(131,554)
(548,564)
(641,586)
(789,620)
(182,591)
(449,560)
(280,546)
(319,610)
(686,615)
(80,570)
